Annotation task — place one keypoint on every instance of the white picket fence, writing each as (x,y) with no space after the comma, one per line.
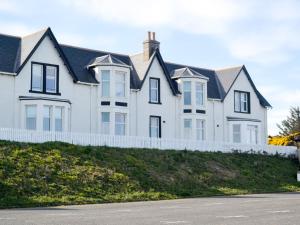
(86,139)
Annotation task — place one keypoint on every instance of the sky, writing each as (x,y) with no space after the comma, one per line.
(262,35)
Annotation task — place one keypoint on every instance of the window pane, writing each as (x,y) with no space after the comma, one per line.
(120,123)
(244,102)
(199,94)
(237,103)
(58,118)
(236,133)
(187,128)
(37,77)
(252,136)
(120,83)
(187,93)
(154,89)
(51,76)
(105,122)
(31,117)
(200,126)
(105,78)
(154,127)
(47,118)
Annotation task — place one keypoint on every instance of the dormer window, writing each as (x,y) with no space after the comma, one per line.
(241,102)
(199,94)
(44,78)
(105,83)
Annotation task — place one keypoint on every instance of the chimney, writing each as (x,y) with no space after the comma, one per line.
(150,45)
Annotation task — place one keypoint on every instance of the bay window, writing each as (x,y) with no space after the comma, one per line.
(252,134)
(30,117)
(120,124)
(187,93)
(236,132)
(105,83)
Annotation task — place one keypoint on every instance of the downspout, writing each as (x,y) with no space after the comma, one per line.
(214,122)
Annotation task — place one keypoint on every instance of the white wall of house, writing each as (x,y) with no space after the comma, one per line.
(7,93)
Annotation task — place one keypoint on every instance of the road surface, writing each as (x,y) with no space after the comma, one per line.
(265,209)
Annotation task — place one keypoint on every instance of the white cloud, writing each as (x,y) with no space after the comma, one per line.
(18,29)
(7,6)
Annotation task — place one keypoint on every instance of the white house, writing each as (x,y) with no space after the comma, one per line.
(47,86)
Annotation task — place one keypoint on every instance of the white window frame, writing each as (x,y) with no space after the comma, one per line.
(118,124)
(27,117)
(120,83)
(188,131)
(48,117)
(241,102)
(187,92)
(199,93)
(34,76)
(105,82)
(200,129)
(252,134)
(105,125)
(236,133)
(155,126)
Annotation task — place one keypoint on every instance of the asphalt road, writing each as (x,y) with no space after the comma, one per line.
(265,209)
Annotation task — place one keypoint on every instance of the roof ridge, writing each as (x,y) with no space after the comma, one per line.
(39,31)
(193,67)
(229,67)
(94,50)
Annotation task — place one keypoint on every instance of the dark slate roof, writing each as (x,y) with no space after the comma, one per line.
(213,85)
(15,51)
(80,58)
(9,53)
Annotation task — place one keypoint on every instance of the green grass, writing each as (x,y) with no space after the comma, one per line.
(58,174)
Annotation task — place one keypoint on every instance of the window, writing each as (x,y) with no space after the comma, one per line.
(199,94)
(37,77)
(51,74)
(236,128)
(58,114)
(200,128)
(120,80)
(252,134)
(187,128)
(47,118)
(31,117)
(187,93)
(154,89)
(155,126)
(105,80)
(241,101)
(105,120)
(120,120)
(44,78)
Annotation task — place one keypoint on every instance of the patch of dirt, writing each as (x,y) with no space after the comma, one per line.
(221,171)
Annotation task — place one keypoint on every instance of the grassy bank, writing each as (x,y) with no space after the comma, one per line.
(59,173)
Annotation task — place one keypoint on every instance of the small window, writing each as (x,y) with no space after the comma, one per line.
(199,94)
(187,128)
(241,101)
(187,92)
(154,89)
(105,122)
(31,117)
(120,86)
(155,126)
(58,118)
(105,80)
(120,124)
(37,77)
(51,78)
(47,118)
(200,127)
(236,132)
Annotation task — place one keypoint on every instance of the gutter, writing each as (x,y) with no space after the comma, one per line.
(7,73)
(85,83)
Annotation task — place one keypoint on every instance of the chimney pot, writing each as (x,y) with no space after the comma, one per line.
(150,45)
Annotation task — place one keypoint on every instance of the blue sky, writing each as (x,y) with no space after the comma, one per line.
(263,35)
